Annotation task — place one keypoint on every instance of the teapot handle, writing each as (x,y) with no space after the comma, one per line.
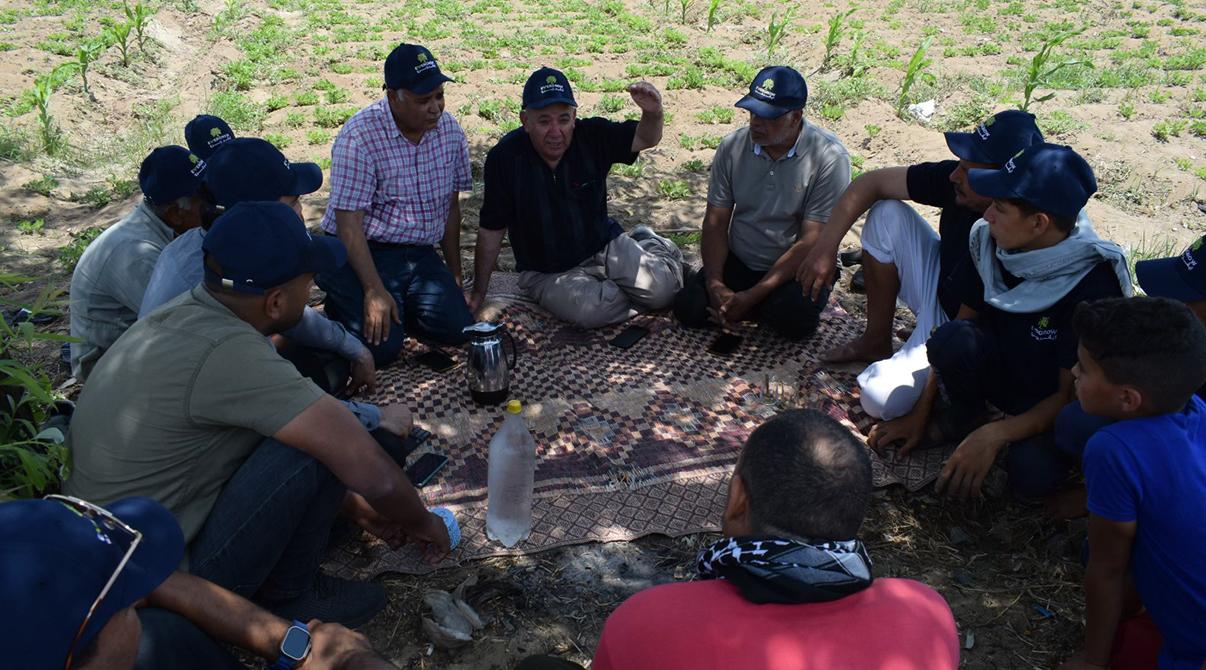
(514,351)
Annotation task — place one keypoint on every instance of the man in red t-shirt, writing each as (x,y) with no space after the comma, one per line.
(788,587)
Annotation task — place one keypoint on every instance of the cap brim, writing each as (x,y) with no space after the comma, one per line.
(965,146)
(560,100)
(326,254)
(307,178)
(991,183)
(761,108)
(1162,278)
(428,85)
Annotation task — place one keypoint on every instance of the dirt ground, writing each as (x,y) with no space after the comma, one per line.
(290,70)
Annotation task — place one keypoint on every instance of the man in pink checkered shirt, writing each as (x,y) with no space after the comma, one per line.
(397,168)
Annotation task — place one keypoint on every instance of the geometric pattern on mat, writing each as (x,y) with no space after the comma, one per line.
(629,442)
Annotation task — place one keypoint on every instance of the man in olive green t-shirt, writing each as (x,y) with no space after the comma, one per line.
(194,408)
(772,186)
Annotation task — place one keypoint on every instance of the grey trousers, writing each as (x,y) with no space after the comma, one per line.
(625,277)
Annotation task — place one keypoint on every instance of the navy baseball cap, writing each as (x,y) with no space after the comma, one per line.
(997,139)
(1180,277)
(168,173)
(547,87)
(775,91)
(1052,178)
(205,133)
(260,245)
(412,68)
(249,169)
(56,561)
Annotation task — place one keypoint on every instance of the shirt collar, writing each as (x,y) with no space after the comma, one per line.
(791,153)
(154,223)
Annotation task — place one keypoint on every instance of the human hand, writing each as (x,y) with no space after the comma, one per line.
(910,428)
(432,538)
(646,96)
(737,307)
(818,270)
(364,374)
(334,647)
(380,310)
(397,419)
(965,470)
(718,294)
(1077,662)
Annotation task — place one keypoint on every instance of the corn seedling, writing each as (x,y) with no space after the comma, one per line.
(43,89)
(837,28)
(86,54)
(685,6)
(713,6)
(138,17)
(1040,72)
(916,68)
(119,34)
(775,30)
(855,66)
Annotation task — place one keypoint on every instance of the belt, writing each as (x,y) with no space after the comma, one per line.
(373,244)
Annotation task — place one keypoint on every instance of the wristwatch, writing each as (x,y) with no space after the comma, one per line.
(294,648)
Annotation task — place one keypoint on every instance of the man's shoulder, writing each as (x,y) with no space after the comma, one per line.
(508,145)
(1100,282)
(364,121)
(823,143)
(736,141)
(449,124)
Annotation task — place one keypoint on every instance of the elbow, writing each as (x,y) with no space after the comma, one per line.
(380,486)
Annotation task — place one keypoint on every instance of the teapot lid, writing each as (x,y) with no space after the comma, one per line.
(483,328)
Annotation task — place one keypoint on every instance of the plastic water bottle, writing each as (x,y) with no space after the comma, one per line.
(511,478)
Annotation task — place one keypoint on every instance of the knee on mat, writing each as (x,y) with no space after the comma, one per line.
(1036,468)
(954,345)
(691,306)
(886,401)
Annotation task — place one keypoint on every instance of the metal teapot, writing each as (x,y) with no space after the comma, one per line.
(489,371)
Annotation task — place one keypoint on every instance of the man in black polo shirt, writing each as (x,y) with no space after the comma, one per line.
(546,185)
(902,255)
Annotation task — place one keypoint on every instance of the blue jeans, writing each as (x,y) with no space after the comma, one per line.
(171,641)
(430,304)
(267,532)
(1074,427)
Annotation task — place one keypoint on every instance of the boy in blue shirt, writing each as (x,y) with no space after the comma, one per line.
(1139,363)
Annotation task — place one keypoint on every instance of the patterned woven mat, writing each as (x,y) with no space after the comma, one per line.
(629,442)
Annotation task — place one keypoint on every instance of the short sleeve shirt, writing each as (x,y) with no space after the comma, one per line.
(109,281)
(771,198)
(179,268)
(1153,471)
(930,184)
(177,405)
(555,218)
(404,189)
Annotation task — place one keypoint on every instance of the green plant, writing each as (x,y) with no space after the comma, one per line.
(776,29)
(1126,109)
(635,170)
(306,98)
(1163,130)
(694,165)
(872,130)
(336,95)
(85,54)
(14,144)
(43,89)
(119,34)
(138,17)
(69,254)
(295,119)
(832,38)
(276,101)
(42,185)
(610,104)
(674,189)
(915,69)
(278,140)
(30,226)
(239,111)
(1039,73)
(316,136)
(713,6)
(685,6)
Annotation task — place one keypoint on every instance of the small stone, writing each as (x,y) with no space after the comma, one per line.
(969,641)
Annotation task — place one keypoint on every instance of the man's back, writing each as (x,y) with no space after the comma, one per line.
(895,624)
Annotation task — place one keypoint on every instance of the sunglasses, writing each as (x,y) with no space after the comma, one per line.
(109,530)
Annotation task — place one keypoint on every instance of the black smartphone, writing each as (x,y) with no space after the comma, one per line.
(629,336)
(725,344)
(436,360)
(424,470)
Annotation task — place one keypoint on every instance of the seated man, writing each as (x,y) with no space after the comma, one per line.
(194,408)
(112,274)
(546,187)
(1034,258)
(773,185)
(246,170)
(1140,362)
(396,169)
(63,556)
(903,257)
(790,584)
(205,133)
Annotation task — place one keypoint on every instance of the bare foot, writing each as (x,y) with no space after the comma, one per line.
(859,349)
(1068,504)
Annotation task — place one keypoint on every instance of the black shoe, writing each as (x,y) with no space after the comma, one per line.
(344,601)
(853,257)
(858,283)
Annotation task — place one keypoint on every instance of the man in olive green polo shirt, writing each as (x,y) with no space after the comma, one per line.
(772,187)
(194,408)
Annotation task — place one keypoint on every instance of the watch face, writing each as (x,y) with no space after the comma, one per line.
(296,643)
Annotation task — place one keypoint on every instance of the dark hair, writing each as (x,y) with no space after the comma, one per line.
(806,475)
(1061,223)
(1156,345)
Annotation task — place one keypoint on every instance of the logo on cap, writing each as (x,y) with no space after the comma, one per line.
(422,57)
(1043,332)
(550,79)
(1187,257)
(215,132)
(766,89)
(551,85)
(1010,166)
(425,63)
(198,165)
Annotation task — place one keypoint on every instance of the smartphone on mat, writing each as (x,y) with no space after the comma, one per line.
(725,344)
(424,470)
(629,336)
(436,360)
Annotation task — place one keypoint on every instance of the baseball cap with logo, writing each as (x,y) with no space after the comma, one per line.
(775,91)
(547,87)
(249,168)
(1180,277)
(168,173)
(997,139)
(57,559)
(255,246)
(1050,177)
(205,133)
(412,68)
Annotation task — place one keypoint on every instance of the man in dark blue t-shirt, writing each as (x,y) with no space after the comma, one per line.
(1012,345)
(546,187)
(903,256)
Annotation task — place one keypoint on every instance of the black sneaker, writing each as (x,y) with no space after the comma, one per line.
(852,257)
(351,603)
(858,283)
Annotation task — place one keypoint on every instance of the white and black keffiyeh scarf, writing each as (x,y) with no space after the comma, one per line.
(779,570)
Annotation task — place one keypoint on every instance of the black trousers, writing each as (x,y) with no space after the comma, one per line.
(786,310)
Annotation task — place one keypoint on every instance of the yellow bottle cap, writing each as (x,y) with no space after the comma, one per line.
(514,406)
